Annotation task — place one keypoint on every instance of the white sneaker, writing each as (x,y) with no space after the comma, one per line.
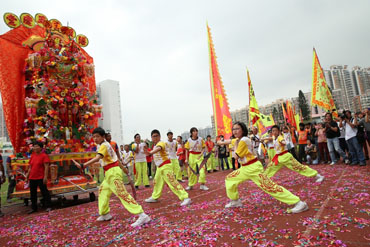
(143,219)
(299,207)
(104,217)
(319,178)
(189,188)
(150,199)
(203,187)
(346,161)
(185,202)
(234,204)
(332,163)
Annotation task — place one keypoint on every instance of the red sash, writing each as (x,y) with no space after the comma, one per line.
(165,163)
(111,165)
(193,152)
(250,162)
(276,157)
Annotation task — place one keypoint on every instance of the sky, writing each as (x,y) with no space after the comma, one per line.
(158,50)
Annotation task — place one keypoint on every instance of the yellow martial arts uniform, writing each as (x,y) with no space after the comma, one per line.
(125,156)
(211,163)
(171,148)
(271,150)
(195,148)
(210,146)
(252,169)
(113,182)
(141,167)
(284,158)
(164,174)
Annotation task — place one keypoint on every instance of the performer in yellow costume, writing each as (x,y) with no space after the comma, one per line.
(113,181)
(194,150)
(171,147)
(252,169)
(284,158)
(270,145)
(210,148)
(164,173)
(141,167)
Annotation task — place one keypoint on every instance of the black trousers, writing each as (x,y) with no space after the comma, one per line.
(11,187)
(34,183)
(301,153)
(149,164)
(292,151)
(222,159)
(233,163)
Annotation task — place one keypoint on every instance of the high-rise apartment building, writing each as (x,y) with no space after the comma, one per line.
(109,96)
(347,84)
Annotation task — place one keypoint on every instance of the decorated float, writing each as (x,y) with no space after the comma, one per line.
(47,84)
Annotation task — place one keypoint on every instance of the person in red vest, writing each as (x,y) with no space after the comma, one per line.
(37,176)
(149,159)
(210,148)
(181,155)
(302,141)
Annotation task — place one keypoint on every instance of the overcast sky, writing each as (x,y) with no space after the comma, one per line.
(158,51)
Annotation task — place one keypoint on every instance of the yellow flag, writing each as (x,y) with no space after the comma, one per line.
(254,113)
(321,95)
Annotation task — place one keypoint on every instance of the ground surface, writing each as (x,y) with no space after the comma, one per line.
(339,215)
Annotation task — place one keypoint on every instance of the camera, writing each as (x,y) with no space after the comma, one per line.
(343,115)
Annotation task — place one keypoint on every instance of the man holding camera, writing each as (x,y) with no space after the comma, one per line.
(332,134)
(350,126)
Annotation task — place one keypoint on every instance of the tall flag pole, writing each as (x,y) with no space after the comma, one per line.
(221,112)
(321,95)
(254,113)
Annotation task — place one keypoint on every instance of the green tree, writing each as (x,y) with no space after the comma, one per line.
(303,106)
(275,114)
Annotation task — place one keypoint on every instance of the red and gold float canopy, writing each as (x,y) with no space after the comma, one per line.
(28,21)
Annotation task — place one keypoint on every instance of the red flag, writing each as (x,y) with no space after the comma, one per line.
(284,113)
(221,112)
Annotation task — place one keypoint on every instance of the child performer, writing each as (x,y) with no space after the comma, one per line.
(252,169)
(171,147)
(194,149)
(210,148)
(270,146)
(284,158)
(128,157)
(141,167)
(164,173)
(181,156)
(113,181)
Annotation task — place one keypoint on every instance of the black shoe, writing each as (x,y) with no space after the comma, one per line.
(137,187)
(1,214)
(147,186)
(362,164)
(367,158)
(32,211)
(215,171)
